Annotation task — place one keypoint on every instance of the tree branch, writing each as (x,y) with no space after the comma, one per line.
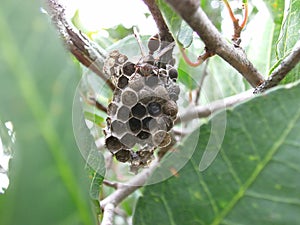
(164,32)
(203,111)
(108,215)
(86,52)
(282,70)
(190,11)
(126,189)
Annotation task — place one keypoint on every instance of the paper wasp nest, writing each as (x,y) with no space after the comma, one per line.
(143,109)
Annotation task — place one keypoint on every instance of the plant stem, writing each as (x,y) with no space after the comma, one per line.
(190,11)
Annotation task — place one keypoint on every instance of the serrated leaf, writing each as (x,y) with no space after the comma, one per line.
(253,180)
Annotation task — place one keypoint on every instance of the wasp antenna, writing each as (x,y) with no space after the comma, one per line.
(138,39)
(165,50)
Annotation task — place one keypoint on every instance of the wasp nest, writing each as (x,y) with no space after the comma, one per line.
(142,111)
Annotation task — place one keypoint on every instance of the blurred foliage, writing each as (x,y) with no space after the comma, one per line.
(48,183)
(47,173)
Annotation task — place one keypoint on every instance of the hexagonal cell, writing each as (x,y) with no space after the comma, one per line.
(154,108)
(173,74)
(170,108)
(143,135)
(113,144)
(145,96)
(138,110)
(123,155)
(117,95)
(129,98)
(118,128)
(122,58)
(153,43)
(174,91)
(135,125)
(128,140)
(161,92)
(112,109)
(152,81)
(149,124)
(165,123)
(122,82)
(129,68)
(123,113)
(161,138)
(137,83)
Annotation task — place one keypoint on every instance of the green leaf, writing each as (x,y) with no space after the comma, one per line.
(289,35)
(253,180)
(48,183)
(185,35)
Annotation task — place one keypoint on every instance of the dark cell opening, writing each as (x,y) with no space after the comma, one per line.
(123,155)
(154,108)
(112,143)
(135,125)
(143,135)
(129,68)
(122,82)
(138,110)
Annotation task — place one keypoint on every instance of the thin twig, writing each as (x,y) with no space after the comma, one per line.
(114,185)
(86,51)
(108,214)
(282,70)
(127,188)
(200,85)
(206,110)
(164,32)
(190,11)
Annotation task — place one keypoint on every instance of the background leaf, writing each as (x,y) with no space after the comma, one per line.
(289,35)
(38,80)
(253,180)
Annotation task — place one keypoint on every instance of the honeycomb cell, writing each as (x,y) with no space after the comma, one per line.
(122,58)
(143,135)
(154,108)
(170,108)
(122,82)
(152,81)
(153,43)
(135,125)
(113,144)
(129,68)
(166,141)
(149,124)
(129,98)
(123,155)
(161,92)
(146,95)
(117,95)
(174,91)
(112,109)
(123,113)
(165,123)
(138,110)
(118,128)
(173,74)
(129,140)
(137,83)
(161,138)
